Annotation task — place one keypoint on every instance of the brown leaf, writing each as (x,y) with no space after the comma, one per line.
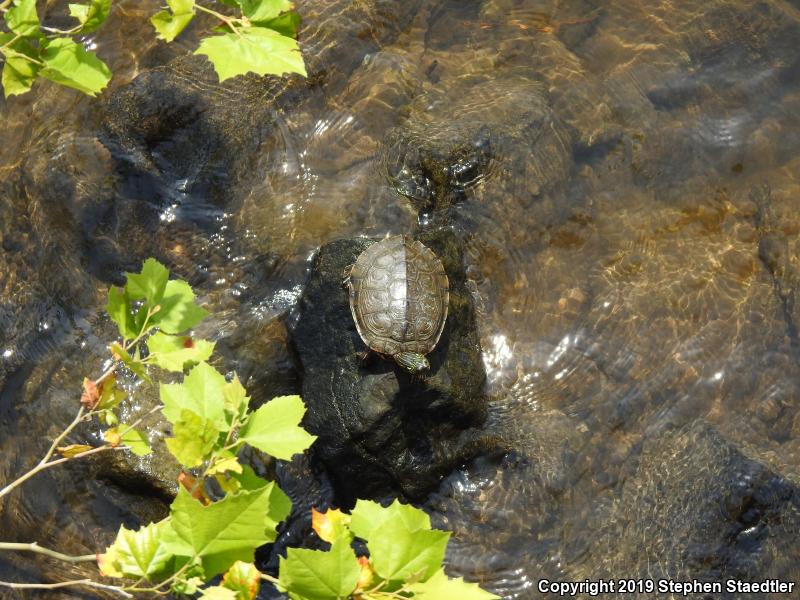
(91,395)
(195,488)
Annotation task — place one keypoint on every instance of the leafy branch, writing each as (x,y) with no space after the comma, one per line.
(261,39)
(208,534)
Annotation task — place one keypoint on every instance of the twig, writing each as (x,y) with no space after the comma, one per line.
(271,579)
(34,547)
(61,584)
(229,21)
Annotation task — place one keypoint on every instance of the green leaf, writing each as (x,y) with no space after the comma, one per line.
(22,18)
(137,553)
(92,15)
(256,49)
(134,439)
(110,394)
(398,554)
(318,575)
(69,64)
(263,10)
(218,593)
(174,353)
(178,309)
(225,531)
(246,480)
(286,24)
(194,439)
(200,393)
(275,428)
(19,73)
(149,284)
(170,23)
(400,540)
(187,586)
(226,462)
(236,399)
(244,579)
(119,309)
(133,363)
(439,587)
(368,517)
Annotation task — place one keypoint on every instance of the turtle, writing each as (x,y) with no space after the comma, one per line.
(399,294)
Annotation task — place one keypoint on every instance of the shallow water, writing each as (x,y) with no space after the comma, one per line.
(625,175)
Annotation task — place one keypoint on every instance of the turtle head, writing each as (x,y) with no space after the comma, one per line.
(412,362)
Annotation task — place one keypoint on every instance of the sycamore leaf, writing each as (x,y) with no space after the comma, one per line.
(234,481)
(178,311)
(136,553)
(194,439)
(400,539)
(187,586)
(133,439)
(92,15)
(236,399)
(19,72)
(108,417)
(18,76)
(110,394)
(69,64)
(22,18)
(226,531)
(91,395)
(132,362)
(148,284)
(223,464)
(286,24)
(275,428)
(396,553)
(119,309)
(73,450)
(318,575)
(262,10)
(332,525)
(195,487)
(218,593)
(255,49)
(200,393)
(244,579)
(175,352)
(367,575)
(170,23)
(368,517)
(439,587)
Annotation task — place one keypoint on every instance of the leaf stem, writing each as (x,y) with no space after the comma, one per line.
(271,579)
(61,584)
(35,547)
(229,21)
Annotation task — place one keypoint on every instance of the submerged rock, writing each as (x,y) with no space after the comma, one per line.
(380,430)
(501,129)
(697,507)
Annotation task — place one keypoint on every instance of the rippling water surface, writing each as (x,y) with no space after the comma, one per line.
(625,175)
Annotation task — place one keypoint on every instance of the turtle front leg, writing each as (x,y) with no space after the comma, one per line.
(346,275)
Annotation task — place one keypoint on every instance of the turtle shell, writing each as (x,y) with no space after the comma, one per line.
(399,295)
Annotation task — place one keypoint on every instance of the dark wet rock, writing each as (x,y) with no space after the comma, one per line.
(381,431)
(696,506)
(180,136)
(499,129)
